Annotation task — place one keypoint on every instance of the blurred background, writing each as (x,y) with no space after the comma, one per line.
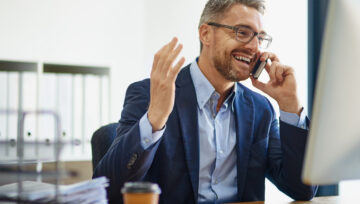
(116,40)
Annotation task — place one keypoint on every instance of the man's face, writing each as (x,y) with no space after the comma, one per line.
(227,53)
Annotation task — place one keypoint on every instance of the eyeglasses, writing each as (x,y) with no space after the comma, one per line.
(245,34)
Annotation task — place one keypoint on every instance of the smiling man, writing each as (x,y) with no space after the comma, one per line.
(202,135)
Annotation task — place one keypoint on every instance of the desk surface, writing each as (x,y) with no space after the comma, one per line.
(317,200)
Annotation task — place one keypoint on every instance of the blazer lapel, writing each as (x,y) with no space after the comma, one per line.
(244,118)
(186,107)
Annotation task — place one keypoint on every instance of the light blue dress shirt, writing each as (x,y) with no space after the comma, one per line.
(217,138)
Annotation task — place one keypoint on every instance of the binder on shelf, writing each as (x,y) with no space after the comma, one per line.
(79,94)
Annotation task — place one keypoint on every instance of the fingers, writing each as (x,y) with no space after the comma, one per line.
(258,84)
(171,57)
(279,73)
(176,69)
(158,58)
(165,57)
(269,55)
(272,71)
(275,70)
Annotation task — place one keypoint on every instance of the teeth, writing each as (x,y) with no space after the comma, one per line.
(242,58)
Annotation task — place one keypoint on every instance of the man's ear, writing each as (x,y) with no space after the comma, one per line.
(205,34)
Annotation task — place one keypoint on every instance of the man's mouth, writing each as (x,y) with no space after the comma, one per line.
(243,59)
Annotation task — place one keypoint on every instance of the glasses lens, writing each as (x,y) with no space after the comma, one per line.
(244,34)
(264,41)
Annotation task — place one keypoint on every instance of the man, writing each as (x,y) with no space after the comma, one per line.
(201,135)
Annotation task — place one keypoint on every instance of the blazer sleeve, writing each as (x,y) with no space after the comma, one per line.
(285,159)
(126,160)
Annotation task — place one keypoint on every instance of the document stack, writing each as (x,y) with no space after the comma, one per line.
(87,192)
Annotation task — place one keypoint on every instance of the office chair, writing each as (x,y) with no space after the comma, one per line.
(101,141)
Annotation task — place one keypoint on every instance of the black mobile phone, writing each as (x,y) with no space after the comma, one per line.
(258,68)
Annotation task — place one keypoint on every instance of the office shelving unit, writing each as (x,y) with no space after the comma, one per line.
(12,167)
(21,124)
(46,82)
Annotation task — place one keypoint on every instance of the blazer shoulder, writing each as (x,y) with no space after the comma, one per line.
(142,84)
(137,89)
(136,100)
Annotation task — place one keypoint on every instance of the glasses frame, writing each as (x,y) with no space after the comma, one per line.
(236,29)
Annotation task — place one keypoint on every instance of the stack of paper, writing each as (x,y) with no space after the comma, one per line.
(87,192)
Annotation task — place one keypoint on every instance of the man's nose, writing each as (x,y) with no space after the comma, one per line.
(253,45)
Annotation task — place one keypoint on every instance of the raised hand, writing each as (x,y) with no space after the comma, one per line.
(281,86)
(162,83)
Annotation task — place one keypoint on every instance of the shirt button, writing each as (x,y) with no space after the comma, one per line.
(221,152)
(146,140)
(216,181)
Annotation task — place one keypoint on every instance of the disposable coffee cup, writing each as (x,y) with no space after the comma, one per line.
(140,193)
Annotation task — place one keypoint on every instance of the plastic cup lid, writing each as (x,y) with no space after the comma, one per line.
(141,187)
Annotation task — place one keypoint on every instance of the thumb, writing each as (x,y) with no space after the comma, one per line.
(258,84)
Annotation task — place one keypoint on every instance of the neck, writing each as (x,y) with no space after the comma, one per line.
(221,85)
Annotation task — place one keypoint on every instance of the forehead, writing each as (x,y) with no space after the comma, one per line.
(239,14)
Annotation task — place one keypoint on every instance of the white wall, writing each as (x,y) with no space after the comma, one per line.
(125,34)
(108,33)
(165,19)
(121,34)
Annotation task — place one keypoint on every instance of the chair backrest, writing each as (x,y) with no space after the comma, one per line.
(101,141)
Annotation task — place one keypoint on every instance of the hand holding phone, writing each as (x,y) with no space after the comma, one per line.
(281,85)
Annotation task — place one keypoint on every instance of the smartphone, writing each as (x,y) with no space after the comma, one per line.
(258,68)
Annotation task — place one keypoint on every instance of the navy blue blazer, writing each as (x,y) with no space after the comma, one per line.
(173,161)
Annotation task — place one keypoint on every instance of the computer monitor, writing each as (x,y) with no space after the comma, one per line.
(333,149)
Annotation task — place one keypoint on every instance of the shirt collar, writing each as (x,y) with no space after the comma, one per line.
(203,88)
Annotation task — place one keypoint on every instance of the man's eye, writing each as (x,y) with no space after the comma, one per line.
(263,37)
(243,33)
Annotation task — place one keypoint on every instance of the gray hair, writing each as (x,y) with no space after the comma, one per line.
(215,9)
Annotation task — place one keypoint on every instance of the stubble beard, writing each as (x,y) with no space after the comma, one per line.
(224,66)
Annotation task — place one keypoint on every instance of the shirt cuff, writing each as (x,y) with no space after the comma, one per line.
(146,135)
(294,119)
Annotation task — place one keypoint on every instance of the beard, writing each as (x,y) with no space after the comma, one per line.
(224,65)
